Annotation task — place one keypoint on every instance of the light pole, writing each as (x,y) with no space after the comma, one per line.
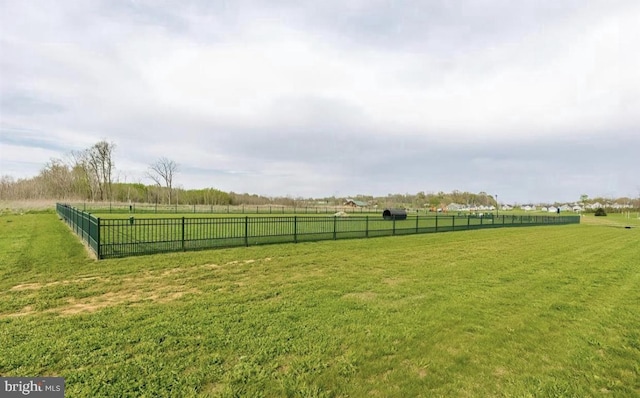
(497,205)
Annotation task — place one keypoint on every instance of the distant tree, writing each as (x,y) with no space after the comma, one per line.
(101,159)
(583,199)
(94,167)
(58,179)
(7,187)
(162,172)
(600,212)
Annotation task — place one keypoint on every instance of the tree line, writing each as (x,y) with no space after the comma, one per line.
(88,175)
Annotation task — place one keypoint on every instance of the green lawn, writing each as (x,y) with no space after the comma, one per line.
(536,311)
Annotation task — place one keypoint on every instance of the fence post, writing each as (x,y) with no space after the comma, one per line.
(468,221)
(417,222)
(366,227)
(335,221)
(453,223)
(98,243)
(183,247)
(246,230)
(394,224)
(436,222)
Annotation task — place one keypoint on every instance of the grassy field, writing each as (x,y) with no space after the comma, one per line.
(537,311)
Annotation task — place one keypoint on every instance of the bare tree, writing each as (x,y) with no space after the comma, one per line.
(101,165)
(162,172)
(93,169)
(7,187)
(58,179)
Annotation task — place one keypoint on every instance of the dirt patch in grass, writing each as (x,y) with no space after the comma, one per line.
(38,285)
(149,287)
(89,293)
(92,304)
(28,310)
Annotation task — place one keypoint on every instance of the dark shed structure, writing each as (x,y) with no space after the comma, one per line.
(394,214)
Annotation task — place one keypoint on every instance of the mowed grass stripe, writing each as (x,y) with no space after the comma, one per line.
(539,311)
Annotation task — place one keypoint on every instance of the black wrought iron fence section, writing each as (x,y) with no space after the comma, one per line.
(121,237)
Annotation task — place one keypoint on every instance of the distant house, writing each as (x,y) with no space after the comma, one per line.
(552,209)
(455,207)
(576,208)
(355,203)
(566,208)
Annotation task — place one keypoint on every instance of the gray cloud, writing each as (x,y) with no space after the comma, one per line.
(532,100)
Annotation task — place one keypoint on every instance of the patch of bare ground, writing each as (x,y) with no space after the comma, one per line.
(37,285)
(28,310)
(500,372)
(418,370)
(161,286)
(95,303)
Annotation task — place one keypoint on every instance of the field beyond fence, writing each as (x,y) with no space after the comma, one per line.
(110,237)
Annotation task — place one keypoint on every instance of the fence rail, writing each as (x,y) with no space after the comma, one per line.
(151,208)
(110,238)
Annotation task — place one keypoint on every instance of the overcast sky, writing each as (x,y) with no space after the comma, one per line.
(533,100)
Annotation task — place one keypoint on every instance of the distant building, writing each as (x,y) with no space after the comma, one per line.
(355,203)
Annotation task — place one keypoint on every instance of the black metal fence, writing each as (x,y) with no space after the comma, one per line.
(86,226)
(122,237)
